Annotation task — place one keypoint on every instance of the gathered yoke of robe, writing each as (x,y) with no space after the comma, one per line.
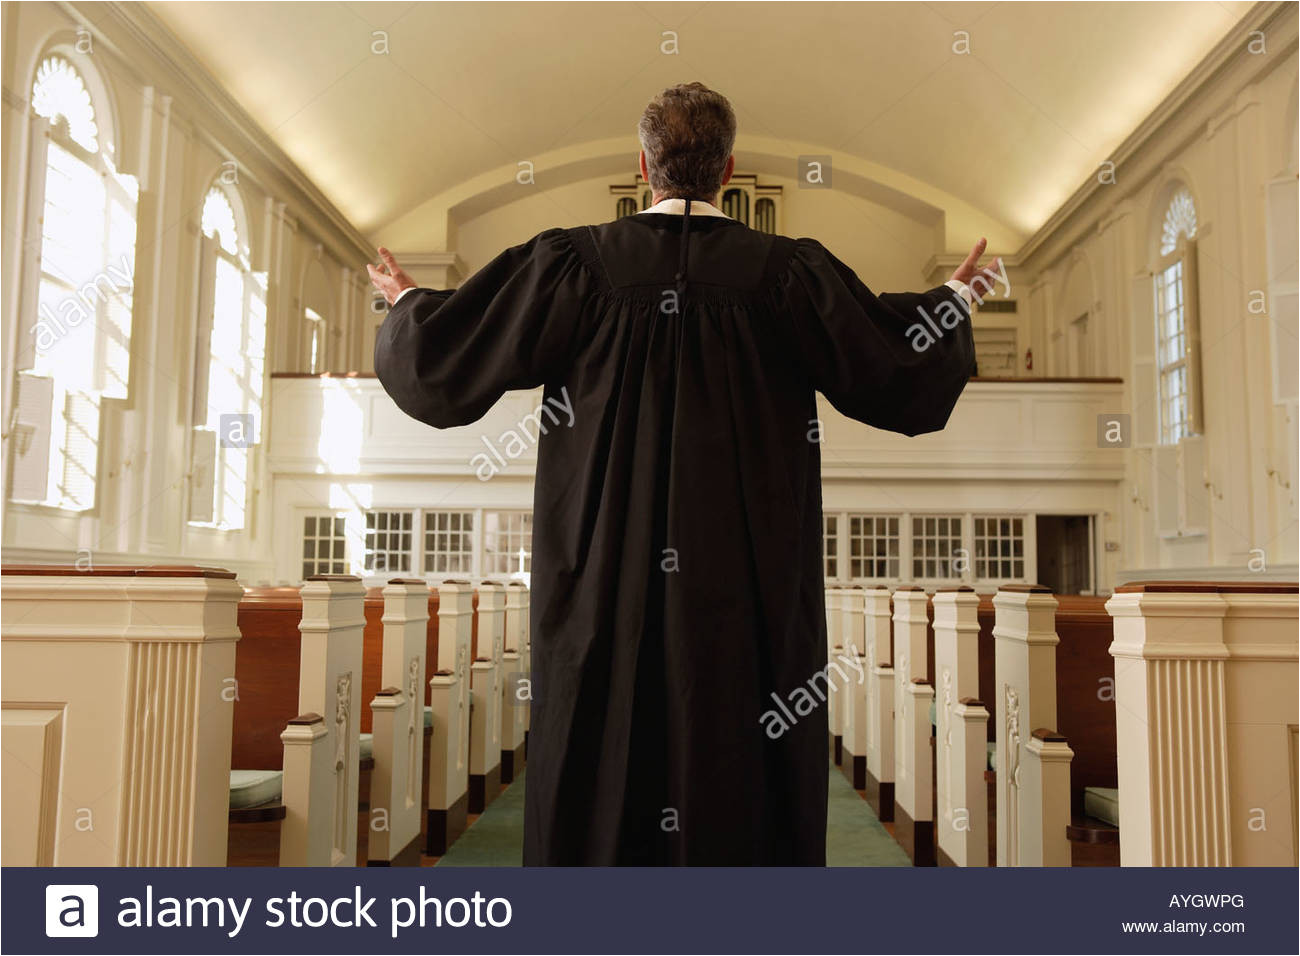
(677,578)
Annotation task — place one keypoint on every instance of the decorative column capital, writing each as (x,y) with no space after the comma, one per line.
(1025,613)
(491,596)
(1155,623)
(331,602)
(957,608)
(406,600)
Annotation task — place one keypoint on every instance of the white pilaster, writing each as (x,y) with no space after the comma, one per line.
(880,702)
(1029,803)
(394,817)
(854,696)
(960,730)
(118,686)
(515,684)
(834,643)
(399,762)
(307,792)
(333,621)
(912,728)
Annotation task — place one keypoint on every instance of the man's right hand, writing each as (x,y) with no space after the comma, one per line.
(389,279)
(981,279)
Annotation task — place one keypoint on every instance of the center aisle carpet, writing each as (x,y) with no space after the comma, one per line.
(854,837)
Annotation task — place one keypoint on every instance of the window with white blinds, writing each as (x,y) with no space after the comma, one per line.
(80,347)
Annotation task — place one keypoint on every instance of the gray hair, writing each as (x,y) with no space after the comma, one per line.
(687,132)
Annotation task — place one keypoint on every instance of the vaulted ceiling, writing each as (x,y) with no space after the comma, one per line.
(389,105)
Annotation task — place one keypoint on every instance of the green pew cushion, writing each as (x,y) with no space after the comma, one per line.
(428,716)
(252,788)
(367,746)
(1102,803)
(933,722)
(993,755)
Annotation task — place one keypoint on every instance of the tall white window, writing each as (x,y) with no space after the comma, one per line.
(388,542)
(448,542)
(936,547)
(507,542)
(324,545)
(999,547)
(315,341)
(80,309)
(1175,316)
(830,547)
(230,359)
(873,546)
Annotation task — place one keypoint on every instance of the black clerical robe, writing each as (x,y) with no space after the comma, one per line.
(677,588)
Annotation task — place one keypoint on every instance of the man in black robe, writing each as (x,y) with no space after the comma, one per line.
(677,551)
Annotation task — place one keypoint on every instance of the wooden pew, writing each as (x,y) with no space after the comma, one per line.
(323,742)
(447,806)
(401,732)
(515,682)
(913,695)
(961,752)
(267,680)
(266,675)
(1085,712)
(372,662)
(485,696)
(1033,757)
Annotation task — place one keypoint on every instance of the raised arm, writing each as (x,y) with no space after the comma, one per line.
(446,357)
(896,361)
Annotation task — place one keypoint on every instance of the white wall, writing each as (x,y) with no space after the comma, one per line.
(1233,137)
(1230,135)
(174,137)
(888,249)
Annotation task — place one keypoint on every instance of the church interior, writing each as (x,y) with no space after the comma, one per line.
(254,615)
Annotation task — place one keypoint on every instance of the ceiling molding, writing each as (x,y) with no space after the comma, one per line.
(1170,111)
(131,30)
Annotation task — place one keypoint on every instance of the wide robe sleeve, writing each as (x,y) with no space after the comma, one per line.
(896,361)
(446,357)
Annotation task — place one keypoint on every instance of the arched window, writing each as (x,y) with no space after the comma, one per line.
(82,212)
(316,336)
(626,207)
(765,216)
(317,314)
(230,358)
(1177,367)
(1180,220)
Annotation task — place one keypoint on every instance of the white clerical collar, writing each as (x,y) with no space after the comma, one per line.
(677,207)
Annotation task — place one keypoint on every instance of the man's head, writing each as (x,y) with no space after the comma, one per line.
(687,134)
